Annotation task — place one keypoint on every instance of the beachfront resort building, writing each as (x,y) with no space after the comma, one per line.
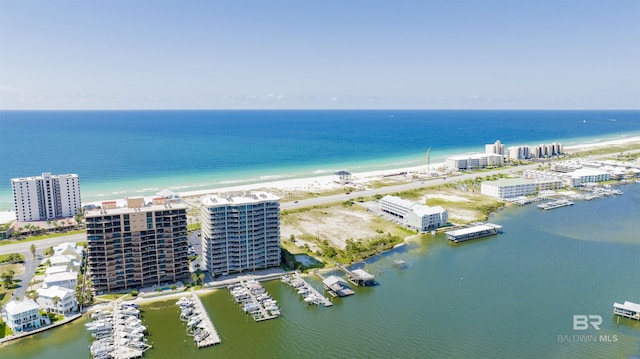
(240,232)
(478,160)
(57,299)
(46,197)
(414,215)
(21,315)
(505,188)
(137,243)
(496,147)
(525,152)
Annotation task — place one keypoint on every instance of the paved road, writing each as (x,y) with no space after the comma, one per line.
(31,264)
(398,188)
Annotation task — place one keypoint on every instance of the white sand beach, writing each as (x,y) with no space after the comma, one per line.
(323,183)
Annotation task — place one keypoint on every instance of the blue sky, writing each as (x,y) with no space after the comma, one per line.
(331,54)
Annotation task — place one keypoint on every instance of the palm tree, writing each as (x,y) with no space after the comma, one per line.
(55,301)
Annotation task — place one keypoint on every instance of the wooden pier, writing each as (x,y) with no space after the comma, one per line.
(310,294)
(359,277)
(206,324)
(555,204)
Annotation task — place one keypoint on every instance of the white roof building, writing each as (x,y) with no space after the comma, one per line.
(66,301)
(64,260)
(240,232)
(478,160)
(424,218)
(56,269)
(414,215)
(62,279)
(22,315)
(68,248)
(46,197)
(508,188)
(586,175)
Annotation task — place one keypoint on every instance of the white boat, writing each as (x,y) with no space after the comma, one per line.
(194,321)
(98,326)
(130,311)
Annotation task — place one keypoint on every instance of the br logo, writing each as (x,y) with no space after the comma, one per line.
(582,322)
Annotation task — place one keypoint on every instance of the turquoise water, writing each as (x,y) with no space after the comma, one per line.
(122,153)
(506,296)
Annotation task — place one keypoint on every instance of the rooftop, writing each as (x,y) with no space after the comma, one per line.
(136,204)
(14,307)
(628,306)
(504,182)
(238,198)
(55,291)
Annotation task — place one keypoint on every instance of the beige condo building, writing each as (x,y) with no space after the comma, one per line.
(137,244)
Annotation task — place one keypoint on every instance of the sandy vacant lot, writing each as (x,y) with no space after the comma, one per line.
(334,224)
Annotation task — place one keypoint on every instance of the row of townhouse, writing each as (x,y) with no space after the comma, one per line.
(57,294)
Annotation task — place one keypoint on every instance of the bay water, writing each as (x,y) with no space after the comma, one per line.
(513,295)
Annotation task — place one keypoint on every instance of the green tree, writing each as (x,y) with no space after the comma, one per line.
(7,278)
(33,250)
(48,251)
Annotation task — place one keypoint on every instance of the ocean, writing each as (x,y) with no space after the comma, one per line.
(124,153)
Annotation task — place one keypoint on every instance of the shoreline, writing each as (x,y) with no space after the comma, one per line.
(325,182)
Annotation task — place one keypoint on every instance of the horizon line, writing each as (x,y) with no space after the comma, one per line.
(319,109)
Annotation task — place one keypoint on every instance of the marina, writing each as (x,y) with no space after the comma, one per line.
(628,310)
(555,204)
(119,333)
(255,300)
(306,290)
(199,323)
(473,232)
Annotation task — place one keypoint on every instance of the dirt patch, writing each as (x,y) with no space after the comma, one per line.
(16,268)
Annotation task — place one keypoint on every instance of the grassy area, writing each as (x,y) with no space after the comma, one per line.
(16,257)
(615,149)
(5,331)
(44,236)
(194,227)
(112,296)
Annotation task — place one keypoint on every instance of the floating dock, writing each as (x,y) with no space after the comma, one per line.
(628,310)
(255,300)
(473,232)
(359,277)
(555,204)
(306,290)
(203,331)
(119,333)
